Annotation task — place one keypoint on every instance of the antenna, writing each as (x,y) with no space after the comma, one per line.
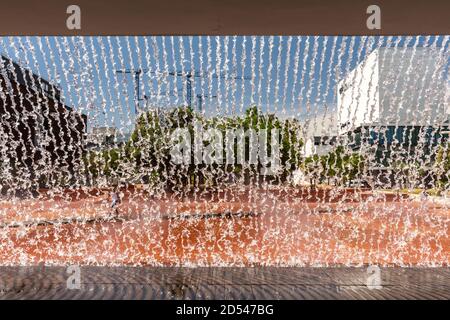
(200,101)
(137,77)
(198,74)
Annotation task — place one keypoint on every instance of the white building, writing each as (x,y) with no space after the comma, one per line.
(319,133)
(395,87)
(105,137)
(394,108)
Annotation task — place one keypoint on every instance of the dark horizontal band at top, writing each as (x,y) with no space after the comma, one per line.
(224,17)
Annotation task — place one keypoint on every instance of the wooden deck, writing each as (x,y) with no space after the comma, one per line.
(223,283)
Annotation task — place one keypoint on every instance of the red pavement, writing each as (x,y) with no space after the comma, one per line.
(233,227)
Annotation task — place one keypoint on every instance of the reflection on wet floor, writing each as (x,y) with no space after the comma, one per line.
(224,283)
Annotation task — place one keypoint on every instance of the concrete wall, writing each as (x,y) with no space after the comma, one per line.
(358,95)
(411,87)
(394,86)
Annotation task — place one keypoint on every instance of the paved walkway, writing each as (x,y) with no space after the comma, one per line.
(223,283)
(292,227)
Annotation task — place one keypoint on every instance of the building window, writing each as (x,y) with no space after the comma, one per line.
(399,134)
(373,137)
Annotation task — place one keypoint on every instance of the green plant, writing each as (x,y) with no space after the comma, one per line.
(148,149)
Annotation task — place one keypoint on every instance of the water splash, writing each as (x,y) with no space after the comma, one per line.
(363,174)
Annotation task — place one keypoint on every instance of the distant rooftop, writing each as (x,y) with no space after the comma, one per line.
(321,125)
(24,76)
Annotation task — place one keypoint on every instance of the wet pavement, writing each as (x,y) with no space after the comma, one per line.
(223,283)
(293,228)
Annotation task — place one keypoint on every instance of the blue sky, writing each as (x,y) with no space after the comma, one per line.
(292,76)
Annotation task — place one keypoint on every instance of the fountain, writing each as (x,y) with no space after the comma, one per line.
(225,151)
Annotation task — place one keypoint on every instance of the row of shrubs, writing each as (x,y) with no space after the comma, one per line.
(146,156)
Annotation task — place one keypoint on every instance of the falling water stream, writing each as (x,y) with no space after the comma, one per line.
(225,151)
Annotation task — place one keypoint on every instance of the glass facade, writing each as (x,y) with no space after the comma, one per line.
(387,141)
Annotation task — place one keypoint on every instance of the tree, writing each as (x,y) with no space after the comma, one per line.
(442,167)
(147,153)
(339,164)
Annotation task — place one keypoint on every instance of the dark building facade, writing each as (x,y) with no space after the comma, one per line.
(40,135)
(391,149)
